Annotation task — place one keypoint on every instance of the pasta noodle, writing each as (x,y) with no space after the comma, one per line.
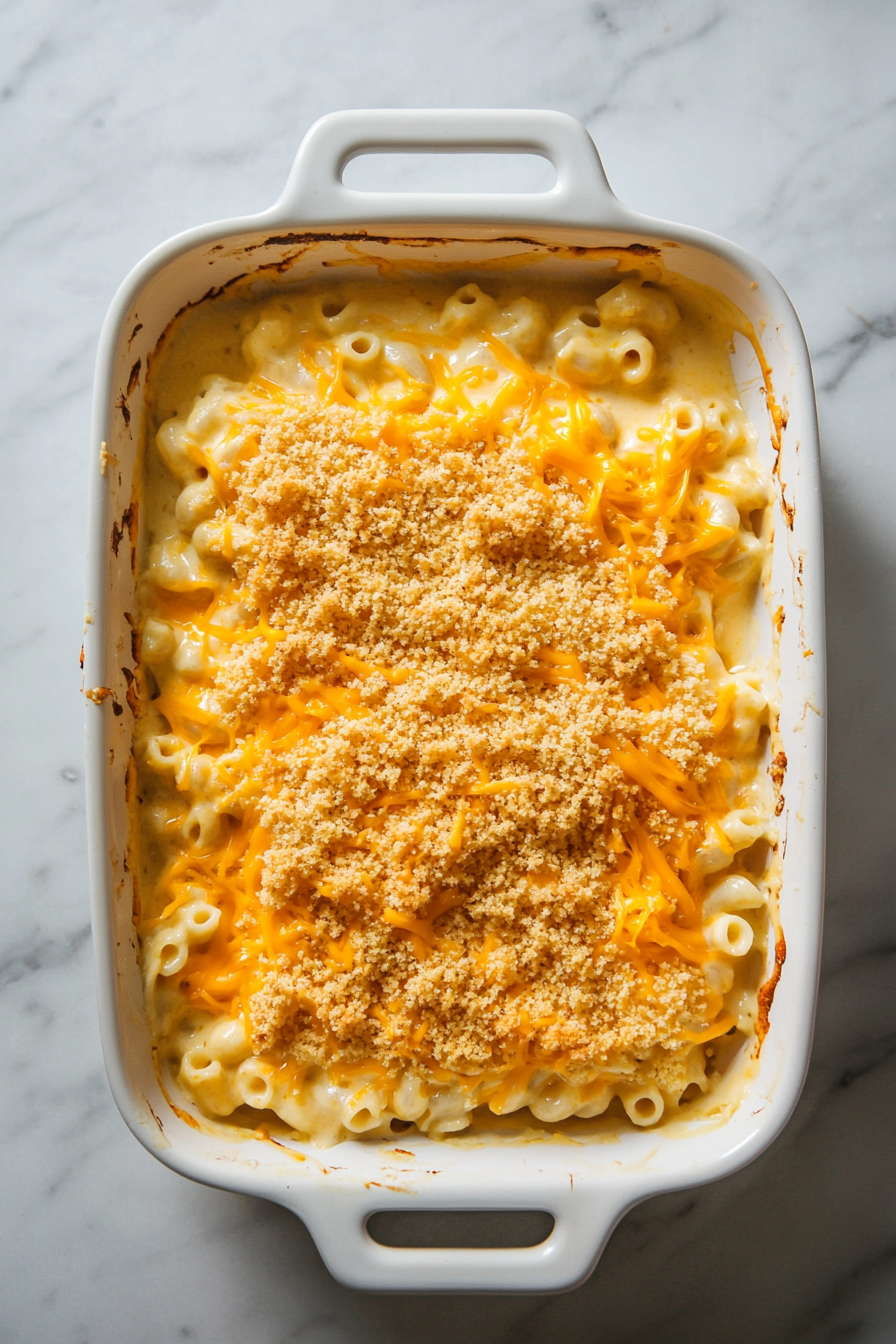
(452,737)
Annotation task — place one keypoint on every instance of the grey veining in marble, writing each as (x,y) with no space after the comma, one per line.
(769,121)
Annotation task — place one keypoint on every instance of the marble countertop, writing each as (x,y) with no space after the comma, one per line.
(771,123)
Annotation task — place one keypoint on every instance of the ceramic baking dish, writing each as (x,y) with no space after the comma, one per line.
(587,1187)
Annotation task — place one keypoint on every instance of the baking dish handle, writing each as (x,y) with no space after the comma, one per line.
(316,195)
(583,1222)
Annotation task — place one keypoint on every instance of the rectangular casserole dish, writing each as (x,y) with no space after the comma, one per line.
(587,1186)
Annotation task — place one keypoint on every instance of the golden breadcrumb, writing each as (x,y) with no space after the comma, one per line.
(450,839)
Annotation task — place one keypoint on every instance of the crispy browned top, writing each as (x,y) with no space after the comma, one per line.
(452,834)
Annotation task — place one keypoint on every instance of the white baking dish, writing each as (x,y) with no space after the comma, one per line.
(586,1187)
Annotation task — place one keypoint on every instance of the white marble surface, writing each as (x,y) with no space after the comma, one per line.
(769,121)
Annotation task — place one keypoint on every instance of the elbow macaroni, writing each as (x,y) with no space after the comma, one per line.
(606,408)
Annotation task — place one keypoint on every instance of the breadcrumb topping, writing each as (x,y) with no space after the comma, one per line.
(450,832)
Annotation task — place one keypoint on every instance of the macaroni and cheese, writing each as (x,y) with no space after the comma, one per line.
(452,737)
